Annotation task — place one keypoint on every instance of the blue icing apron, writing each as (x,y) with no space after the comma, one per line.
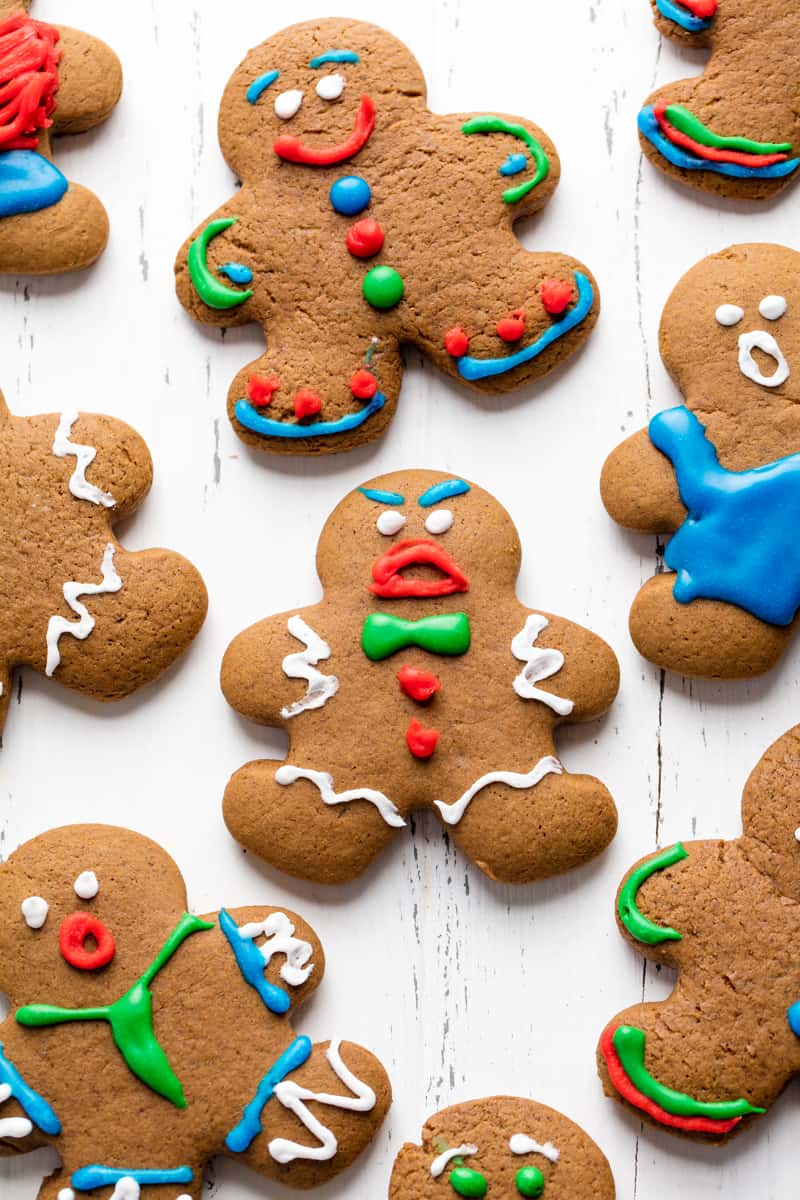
(28,182)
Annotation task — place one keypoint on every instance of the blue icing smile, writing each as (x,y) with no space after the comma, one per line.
(739,541)
(691,162)
(268,427)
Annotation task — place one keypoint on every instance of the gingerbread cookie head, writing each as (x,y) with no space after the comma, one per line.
(502,1147)
(326,125)
(724,131)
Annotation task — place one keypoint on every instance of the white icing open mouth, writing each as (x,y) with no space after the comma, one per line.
(759,339)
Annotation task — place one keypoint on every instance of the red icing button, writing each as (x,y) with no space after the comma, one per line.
(306,403)
(512,327)
(365,238)
(456,342)
(419,685)
(260,389)
(363,384)
(556,295)
(421,741)
(72,935)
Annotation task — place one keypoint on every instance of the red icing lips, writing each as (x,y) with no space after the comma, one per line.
(72,936)
(389,583)
(291,149)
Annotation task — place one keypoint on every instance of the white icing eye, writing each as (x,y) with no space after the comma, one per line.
(390,522)
(772,307)
(439,521)
(330,87)
(86,885)
(729,314)
(287,104)
(35,910)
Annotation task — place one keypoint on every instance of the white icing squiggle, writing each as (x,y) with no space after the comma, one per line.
(759,339)
(302,665)
(12,1127)
(438,1165)
(321,779)
(80,629)
(279,932)
(85,455)
(452,813)
(292,1096)
(540,663)
(520,1143)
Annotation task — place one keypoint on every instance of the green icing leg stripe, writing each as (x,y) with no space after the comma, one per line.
(686,122)
(210,290)
(636,924)
(513,195)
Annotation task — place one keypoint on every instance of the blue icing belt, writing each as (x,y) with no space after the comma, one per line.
(739,541)
(28,182)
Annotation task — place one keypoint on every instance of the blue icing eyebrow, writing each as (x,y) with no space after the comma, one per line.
(381,497)
(335,56)
(260,85)
(443,491)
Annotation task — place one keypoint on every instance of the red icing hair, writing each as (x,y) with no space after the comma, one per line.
(28,80)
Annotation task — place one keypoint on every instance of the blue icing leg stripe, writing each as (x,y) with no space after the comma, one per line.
(251,963)
(794,1018)
(28,182)
(690,162)
(85,1179)
(480,368)
(679,15)
(739,541)
(35,1106)
(249,1127)
(251,419)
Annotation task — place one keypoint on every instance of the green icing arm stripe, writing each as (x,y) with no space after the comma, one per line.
(629,1044)
(686,122)
(210,290)
(513,195)
(639,926)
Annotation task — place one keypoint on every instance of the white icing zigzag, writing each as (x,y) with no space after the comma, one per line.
(302,666)
(85,455)
(540,662)
(452,813)
(324,782)
(279,932)
(58,625)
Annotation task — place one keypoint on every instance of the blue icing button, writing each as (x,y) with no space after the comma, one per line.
(514,164)
(28,182)
(236,272)
(739,540)
(350,195)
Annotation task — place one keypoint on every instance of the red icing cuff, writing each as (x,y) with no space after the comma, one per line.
(711,153)
(72,935)
(421,741)
(704,9)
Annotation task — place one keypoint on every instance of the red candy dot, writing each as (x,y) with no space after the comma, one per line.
(306,403)
(72,936)
(421,741)
(418,684)
(456,342)
(512,327)
(556,295)
(260,389)
(363,384)
(365,238)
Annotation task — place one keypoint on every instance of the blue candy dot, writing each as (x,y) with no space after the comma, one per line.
(350,195)
(513,164)
(236,272)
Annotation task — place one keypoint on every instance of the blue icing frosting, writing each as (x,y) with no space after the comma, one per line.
(236,272)
(28,182)
(793,1016)
(680,16)
(35,1106)
(691,162)
(268,427)
(514,164)
(250,962)
(86,1179)
(249,1127)
(739,540)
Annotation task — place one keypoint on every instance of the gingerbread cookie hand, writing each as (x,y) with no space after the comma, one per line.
(343,166)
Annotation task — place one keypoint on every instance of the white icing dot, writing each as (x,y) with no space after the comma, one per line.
(330,87)
(439,521)
(287,104)
(797,833)
(773,307)
(86,885)
(390,522)
(34,910)
(729,314)
(65,1194)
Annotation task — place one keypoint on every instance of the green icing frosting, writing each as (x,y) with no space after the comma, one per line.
(210,290)
(638,925)
(686,122)
(487,124)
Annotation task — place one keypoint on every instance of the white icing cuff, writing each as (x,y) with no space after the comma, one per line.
(452,813)
(540,662)
(302,664)
(324,782)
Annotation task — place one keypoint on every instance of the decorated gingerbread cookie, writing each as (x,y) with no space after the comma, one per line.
(143,1040)
(503,1147)
(721,472)
(53,80)
(419,681)
(77,606)
(713,1056)
(365,221)
(735,129)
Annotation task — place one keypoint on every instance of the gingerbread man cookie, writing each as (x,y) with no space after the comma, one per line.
(419,681)
(503,1147)
(53,80)
(721,471)
(143,1040)
(76,605)
(715,1055)
(735,129)
(365,221)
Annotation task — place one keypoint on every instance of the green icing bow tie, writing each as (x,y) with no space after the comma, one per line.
(384,634)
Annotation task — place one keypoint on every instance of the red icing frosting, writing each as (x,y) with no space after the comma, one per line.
(390,583)
(363,384)
(512,327)
(556,295)
(418,684)
(700,8)
(28,80)
(711,153)
(365,238)
(456,342)
(421,741)
(72,936)
(291,149)
(307,403)
(260,389)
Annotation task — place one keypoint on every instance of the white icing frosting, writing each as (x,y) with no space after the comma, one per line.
(797,833)
(86,885)
(330,87)
(540,663)
(35,910)
(126,1188)
(761,340)
(324,782)
(85,455)
(65,1194)
(438,1165)
(287,104)
(279,932)
(292,1096)
(80,629)
(729,314)
(12,1127)
(390,522)
(439,521)
(302,666)
(772,308)
(520,1143)
(452,813)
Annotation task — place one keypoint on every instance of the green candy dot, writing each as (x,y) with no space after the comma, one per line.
(467,1182)
(383,288)
(530,1181)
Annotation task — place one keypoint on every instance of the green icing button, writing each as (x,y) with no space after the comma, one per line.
(383,287)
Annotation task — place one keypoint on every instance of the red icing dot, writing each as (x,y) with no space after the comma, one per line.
(512,327)
(556,295)
(418,684)
(421,741)
(363,384)
(72,935)
(365,238)
(306,403)
(456,342)
(260,389)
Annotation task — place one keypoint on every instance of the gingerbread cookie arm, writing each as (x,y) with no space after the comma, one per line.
(205,290)
(589,676)
(90,82)
(689,24)
(639,489)
(5,693)
(290,961)
(104,460)
(653,899)
(516,160)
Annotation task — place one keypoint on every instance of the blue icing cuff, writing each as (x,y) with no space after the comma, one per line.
(35,1106)
(86,1179)
(251,963)
(690,162)
(680,16)
(248,1129)
(28,182)
(739,541)
(268,427)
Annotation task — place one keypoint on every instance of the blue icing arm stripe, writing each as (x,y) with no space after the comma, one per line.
(268,427)
(28,182)
(690,162)
(86,1179)
(34,1105)
(251,963)
(249,1127)
(680,16)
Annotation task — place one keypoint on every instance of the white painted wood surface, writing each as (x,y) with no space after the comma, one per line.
(462,987)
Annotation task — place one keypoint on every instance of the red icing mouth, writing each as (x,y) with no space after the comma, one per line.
(416,552)
(291,149)
(72,935)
